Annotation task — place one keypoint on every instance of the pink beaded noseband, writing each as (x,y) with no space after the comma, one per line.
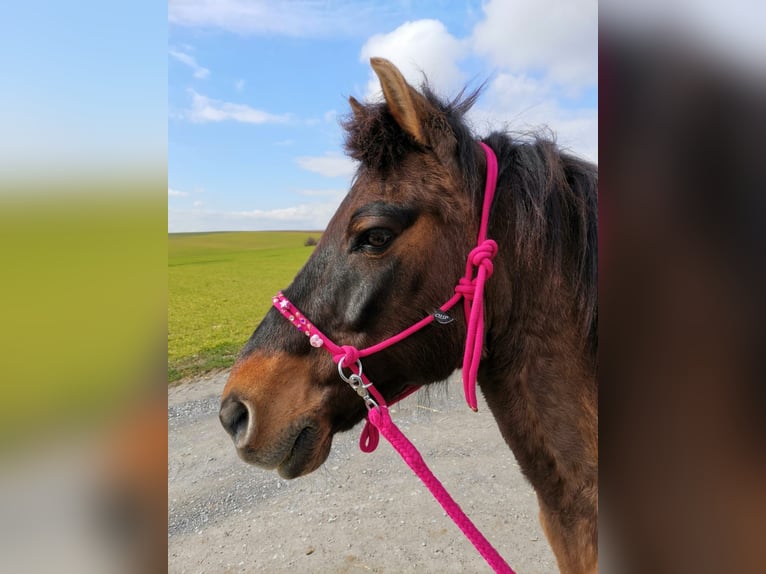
(471,289)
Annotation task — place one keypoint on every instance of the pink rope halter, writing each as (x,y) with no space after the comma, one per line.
(471,289)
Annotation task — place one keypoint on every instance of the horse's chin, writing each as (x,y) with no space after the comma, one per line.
(310,449)
(300,450)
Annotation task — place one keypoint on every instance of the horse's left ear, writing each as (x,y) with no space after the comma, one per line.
(356,107)
(406,105)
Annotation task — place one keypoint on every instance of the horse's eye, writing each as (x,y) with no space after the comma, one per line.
(378,238)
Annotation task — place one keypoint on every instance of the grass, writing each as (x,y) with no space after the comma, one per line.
(219,288)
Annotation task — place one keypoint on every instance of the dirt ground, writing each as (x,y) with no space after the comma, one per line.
(359,512)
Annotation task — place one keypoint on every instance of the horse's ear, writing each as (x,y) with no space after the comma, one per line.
(401,98)
(356,107)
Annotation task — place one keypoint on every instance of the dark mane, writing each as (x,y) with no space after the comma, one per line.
(551,195)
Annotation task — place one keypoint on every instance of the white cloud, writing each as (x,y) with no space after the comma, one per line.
(239,85)
(199,72)
(422,46)
(305,216)
(328,165)
(519,90)
(176,193)
(303,213)
(206,109)
(558,37)
(197,203)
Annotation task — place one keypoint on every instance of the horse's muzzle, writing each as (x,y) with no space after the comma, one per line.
(298,449)
(276,415)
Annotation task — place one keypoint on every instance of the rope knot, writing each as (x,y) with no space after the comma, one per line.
(482,255)
(349,355)
(466,287)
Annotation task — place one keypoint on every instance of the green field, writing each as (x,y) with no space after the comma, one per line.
(219,288)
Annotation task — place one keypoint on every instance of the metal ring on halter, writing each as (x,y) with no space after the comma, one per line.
(340,369)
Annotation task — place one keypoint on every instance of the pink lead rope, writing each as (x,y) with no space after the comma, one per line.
(471,289)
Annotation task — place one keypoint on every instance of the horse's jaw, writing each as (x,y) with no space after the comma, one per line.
(299,451)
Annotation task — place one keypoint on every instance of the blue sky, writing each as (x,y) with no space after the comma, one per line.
(255,91)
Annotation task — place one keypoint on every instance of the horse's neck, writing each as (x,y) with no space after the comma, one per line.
(536,357)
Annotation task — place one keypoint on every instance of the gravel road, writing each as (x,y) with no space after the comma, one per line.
(359,512)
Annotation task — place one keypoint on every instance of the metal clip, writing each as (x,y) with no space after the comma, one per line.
(356,382)
(358,385)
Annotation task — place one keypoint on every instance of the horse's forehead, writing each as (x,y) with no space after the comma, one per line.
(410,179)
(371,187)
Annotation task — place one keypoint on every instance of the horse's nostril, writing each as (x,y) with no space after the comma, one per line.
(235,418)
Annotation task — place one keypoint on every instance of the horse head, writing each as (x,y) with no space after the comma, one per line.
(390,255)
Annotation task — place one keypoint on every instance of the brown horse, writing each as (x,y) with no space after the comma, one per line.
(392,253)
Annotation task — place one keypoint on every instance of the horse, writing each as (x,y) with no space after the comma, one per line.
(394,251)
